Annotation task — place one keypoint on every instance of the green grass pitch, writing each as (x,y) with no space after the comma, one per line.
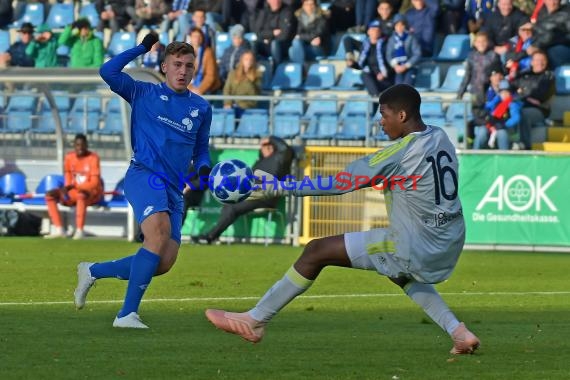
(350,325)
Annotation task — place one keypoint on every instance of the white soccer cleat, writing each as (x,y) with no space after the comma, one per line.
(78,235)
(84,282)
(58,233)
(129,321)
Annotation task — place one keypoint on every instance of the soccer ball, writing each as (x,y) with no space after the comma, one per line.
(231,181)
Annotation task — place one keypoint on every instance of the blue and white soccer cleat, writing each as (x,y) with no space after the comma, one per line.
(84,282)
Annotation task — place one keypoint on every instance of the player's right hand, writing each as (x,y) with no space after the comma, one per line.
(149,40)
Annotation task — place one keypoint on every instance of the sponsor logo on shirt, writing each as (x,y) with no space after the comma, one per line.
(185,125)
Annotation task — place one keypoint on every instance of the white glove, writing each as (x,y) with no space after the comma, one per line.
(266,189)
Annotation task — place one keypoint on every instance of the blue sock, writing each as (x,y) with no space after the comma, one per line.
(143,267)
(120,268)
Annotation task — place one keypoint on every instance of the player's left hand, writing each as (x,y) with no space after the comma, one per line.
(149,40)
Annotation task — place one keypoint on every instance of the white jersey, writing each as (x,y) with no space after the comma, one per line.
(419,177)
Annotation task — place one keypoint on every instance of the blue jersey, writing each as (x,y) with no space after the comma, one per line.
(168,129)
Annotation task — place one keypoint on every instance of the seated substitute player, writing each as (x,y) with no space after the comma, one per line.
(420,248)
(82,187)
(170,127)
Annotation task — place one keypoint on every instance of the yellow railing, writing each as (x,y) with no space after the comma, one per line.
(356,211)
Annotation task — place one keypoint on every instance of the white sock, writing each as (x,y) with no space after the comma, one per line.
(280,294)
(434,306)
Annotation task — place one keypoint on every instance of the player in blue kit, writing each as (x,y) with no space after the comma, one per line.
(170,128)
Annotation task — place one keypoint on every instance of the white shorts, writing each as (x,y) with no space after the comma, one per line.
(358,245)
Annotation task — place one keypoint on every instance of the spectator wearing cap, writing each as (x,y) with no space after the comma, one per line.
(43,48)
(496,74)
(312,37)
(16,54)
(376,73)
(504,115)
(403,52)
(422,18)
(232,54)
(86,49)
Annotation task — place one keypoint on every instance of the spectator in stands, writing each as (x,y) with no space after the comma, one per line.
(502,121)
(517,57)
(275,158)
(245,80)
(178,19)
(496,74)
(341,16)
(386,16)
(534,88)
(312,38)
(376,73)
(206,78)
(365,12)
(43,48)
(212,11)
(502,25)
(403,52)
(149,12)
(239,12)
(275,28)
(232,54)
(115,14)
(552,32)
(477,66)
(16,54)
(82,187)
(86,49)
(422,19)
(475,12)
(452,17)
(6,13)
(199,21)
(154,57)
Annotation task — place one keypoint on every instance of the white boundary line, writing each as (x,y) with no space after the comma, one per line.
(323,296)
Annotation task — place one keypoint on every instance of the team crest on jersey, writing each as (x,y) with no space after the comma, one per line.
(164,97)
(194,112)
(187,123)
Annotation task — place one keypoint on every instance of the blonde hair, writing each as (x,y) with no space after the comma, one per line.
(251,73)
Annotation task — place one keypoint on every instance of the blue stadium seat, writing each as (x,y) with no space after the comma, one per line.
(223,41)
(20,111)
(85,114)
(266,69)
(46,122)
(121,41)
(251,38)
(356,105)
(432,113)
(112,119)
(223,122)
(380,134)
(340,53)
(453,78)
(289,104)
(47,183)
(12,184)
(4,40)
(353,127)
(33,13)
(287,125)
(288,76)
(60,15)
(321,76)
(457,116)
(428,76)
(350,80)
(455,48)
(562,77)
(321,105)
(321,126)
(89,12)
(253,123)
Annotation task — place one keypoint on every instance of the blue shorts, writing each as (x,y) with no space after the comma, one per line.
(148,195)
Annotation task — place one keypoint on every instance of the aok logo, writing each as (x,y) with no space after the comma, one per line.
(519,193)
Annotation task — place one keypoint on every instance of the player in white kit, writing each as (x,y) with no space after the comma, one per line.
(419,177)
